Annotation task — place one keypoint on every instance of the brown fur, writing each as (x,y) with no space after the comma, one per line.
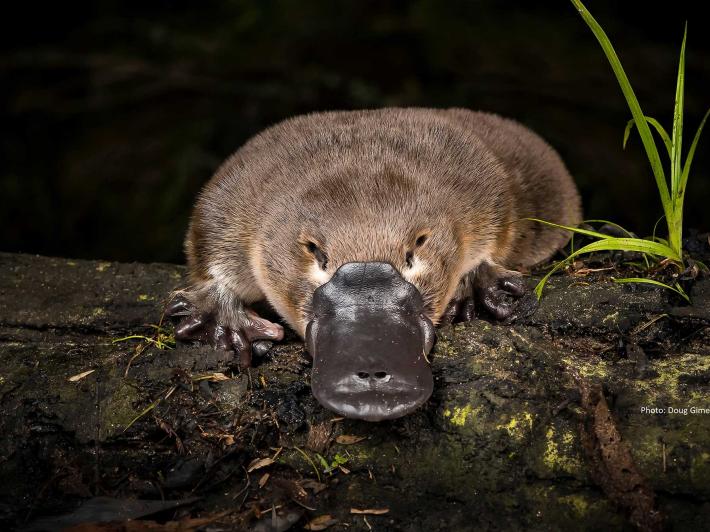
(363,186)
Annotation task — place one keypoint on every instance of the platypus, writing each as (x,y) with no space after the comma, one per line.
(364,230)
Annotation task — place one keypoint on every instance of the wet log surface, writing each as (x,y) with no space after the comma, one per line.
(532,425)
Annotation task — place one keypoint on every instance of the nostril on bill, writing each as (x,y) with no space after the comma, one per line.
(379,376)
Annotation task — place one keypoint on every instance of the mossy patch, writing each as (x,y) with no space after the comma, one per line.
(118,410)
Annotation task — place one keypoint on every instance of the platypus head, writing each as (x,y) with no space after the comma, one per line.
(369,339)
(363,267)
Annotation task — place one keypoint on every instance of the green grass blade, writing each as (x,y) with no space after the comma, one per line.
(150,407)
(629,244)
(677,288)
(600,221)
(644,131)
(541,285)
(677,142)
(571,228)
(308,459)
(655,123)
(675,217)
(612,244)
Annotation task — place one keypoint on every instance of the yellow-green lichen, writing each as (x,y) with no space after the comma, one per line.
(588,367)
(518,427)
(611,317)
(458,416)
(666,385)
(560,453)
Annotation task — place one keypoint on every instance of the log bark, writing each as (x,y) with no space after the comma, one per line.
(509,439)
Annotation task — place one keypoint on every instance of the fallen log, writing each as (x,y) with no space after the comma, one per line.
(97,407)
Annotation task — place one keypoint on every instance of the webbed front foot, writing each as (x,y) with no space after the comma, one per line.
(236,329)
(498,290)
(490,289)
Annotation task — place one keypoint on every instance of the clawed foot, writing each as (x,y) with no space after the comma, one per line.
(498,289)
(249,333)
(461,309)
(491,289)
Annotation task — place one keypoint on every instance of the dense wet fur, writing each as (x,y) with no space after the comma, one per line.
(433,192)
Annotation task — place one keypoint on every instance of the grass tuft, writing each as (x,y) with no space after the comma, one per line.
(671,189)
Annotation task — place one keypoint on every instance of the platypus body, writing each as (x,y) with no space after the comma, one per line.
(364,230)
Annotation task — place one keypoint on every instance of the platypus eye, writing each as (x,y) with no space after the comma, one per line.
(321,257)
(420,240)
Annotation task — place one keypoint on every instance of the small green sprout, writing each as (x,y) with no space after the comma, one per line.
(338,460)
(161,339)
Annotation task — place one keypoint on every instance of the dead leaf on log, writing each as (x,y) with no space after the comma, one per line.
(258,463)
(612,465)
(78,377)
(212,377)
(370,511)
(321,522)
(349,439)
(263,480)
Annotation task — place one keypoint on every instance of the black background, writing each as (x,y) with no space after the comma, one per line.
(115,113)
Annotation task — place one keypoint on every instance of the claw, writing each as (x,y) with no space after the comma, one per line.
(451,312)
(498,289)
(188,328)
(222,338)
(513,285)
(179,306)
(242,347)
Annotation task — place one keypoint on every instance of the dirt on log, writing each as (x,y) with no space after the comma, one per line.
(535,425)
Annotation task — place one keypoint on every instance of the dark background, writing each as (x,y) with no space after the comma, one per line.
(115,113)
